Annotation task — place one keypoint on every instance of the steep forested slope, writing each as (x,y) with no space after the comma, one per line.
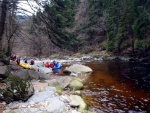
(117,26)
(122,24)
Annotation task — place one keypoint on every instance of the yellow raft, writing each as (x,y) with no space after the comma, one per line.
(27,66)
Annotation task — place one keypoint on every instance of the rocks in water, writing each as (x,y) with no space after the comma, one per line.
(77,92)
(77,101)
(78,69)
(76,85)
(16,89)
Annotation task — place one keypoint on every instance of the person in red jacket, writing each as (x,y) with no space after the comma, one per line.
(47,64)
(32,62)
(51,65)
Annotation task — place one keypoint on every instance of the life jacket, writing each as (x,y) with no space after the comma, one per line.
(51,65)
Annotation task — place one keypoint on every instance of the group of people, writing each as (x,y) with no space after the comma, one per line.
(50,64)
(18,59)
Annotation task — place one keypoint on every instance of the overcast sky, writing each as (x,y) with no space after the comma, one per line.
(31,9)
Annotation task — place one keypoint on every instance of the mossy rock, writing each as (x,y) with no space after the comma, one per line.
(80,80)
(20,89)
(6,95)
(58,88)
(77,92)
(77,100)
(76,85)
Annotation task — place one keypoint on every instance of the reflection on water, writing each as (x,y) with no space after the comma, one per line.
(118,87)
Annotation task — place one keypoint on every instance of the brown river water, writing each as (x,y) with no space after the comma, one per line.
(118,87)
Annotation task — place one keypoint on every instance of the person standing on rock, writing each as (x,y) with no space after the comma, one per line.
(51,65)
(18,60)
(47,65)
(32,62)
(26,60)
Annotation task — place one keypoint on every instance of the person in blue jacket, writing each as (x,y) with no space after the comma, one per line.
(26,60)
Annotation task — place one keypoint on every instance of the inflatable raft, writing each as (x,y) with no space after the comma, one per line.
(57,66)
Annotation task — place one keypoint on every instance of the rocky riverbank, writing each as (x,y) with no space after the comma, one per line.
(46,93)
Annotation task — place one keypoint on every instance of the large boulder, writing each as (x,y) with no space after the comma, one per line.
(78,68)
(15,67)
(4,71)
(33,75)
(45,70)
(23,73)
(16,89)
(44,76)
(76,85)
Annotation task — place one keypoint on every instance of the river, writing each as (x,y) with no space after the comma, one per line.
(118,87)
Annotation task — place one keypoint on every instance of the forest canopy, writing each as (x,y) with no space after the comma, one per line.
(116,26)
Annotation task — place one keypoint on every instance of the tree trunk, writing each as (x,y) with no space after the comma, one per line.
(2,20)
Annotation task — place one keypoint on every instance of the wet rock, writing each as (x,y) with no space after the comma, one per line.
(76,85)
